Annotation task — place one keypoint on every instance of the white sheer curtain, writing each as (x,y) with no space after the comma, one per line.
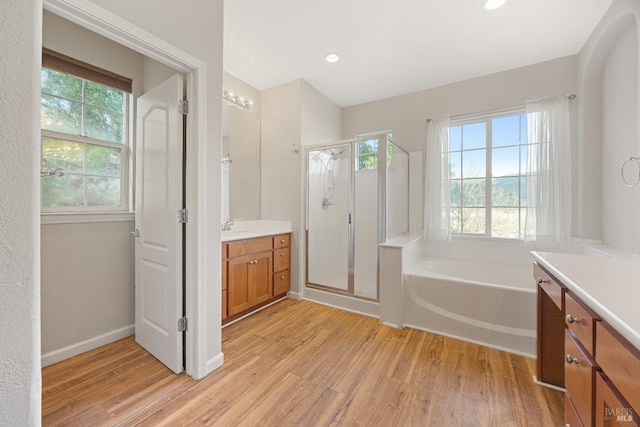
(436,180)
(548,214)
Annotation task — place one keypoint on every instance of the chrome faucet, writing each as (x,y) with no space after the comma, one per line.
(227,225)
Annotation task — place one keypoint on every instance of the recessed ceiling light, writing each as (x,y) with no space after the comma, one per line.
(493,4)
(332,57)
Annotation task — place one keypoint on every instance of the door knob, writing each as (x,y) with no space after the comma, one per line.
(136,233)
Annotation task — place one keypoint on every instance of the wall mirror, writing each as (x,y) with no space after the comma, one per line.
(240,163)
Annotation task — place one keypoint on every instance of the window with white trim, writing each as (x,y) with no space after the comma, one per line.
(84,123)
(488,163)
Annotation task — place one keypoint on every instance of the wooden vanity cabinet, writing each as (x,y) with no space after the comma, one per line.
(550,328)
(601,369)
(255,272)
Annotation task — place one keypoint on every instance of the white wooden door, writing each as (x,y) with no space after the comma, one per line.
(158,253)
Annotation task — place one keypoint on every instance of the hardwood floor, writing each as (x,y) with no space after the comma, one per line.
(299,363)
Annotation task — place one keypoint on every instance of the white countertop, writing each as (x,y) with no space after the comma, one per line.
(248,229)
(609,286)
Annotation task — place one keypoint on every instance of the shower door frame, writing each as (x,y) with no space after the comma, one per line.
(381,210)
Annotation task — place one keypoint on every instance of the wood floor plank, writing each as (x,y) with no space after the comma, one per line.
(299,363)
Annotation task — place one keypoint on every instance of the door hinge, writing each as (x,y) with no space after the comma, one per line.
(183,216)
(182,324)
(183,107)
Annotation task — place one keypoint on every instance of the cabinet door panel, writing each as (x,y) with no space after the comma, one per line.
(611,409)
(620,361)
(261,279)
(238,288)
(578,379)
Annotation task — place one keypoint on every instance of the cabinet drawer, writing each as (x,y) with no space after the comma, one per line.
(581,321)
(549,286)
(571,418)
(281,259)
(620,361)
(281,240)
(611,409)
(249,246)
(281,282)
(578,379)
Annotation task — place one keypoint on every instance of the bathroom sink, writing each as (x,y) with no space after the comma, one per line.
(246,229)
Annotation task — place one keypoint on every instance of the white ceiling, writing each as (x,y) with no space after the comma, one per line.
(392,47)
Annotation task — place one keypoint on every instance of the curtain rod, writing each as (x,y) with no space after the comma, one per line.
(571,97)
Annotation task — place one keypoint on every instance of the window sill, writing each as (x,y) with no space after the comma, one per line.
(76,218)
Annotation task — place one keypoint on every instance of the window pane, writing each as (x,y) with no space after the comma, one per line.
(61,115)
(103,160)
(57,153)
(104,96)
(474,164)
(505,161)
(455,163)
(64,191)
(368,154)
(523,129)
(456,192)
(103,124)
(524,153)
(505,223)
(523,190)
(505,131)
(474,220)
(505,191)
(474,192)
(103,191)
(61,84)
(456,220)
(474,136)
(455,138)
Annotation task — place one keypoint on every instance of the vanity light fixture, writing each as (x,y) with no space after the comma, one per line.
(236,99)
(332,57)
(493,4)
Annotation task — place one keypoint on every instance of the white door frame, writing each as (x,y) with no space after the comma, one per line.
(100,21)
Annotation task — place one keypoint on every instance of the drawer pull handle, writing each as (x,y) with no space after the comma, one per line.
(571,360)
(571,319)
(281,277)
(282,241)
(541,281)
(255,261)
(282,254)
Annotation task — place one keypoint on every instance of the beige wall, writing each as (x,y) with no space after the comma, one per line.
(608,129)
(293,114)
(87,285)
(405,115)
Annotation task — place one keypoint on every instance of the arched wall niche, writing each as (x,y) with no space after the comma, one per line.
(608,129)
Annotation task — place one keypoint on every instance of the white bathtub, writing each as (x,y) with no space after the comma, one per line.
(488,304)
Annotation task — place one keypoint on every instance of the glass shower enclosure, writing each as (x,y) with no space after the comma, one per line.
(353,204)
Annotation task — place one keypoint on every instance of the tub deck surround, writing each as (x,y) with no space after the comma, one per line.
(484,303)
(247,229)
(609,286)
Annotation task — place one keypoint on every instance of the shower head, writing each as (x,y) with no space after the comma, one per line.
(334,153)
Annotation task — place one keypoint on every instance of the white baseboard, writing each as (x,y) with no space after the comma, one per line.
(84,346)
(215,362)
(294,295)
